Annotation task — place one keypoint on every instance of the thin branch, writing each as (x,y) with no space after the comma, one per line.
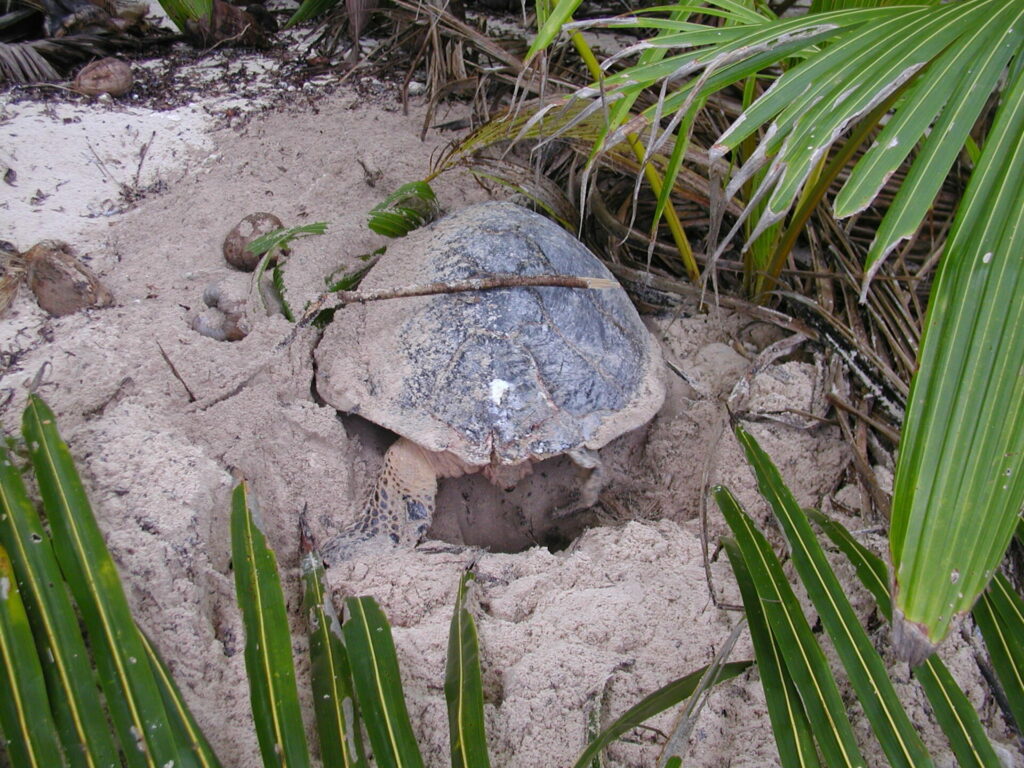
(339,298)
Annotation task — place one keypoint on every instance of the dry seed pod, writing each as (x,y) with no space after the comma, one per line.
(107,75)
(228,24)
(247,230)
(61,283)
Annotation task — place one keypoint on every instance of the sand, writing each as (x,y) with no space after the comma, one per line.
(577,621)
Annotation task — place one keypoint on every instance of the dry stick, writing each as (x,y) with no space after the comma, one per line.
(676,745)
(174,371)
(143,151)
(338,298)
(863,466)
(463,286)
(879,426)
(669,285)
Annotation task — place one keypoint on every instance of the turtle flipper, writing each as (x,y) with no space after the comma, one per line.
(589,491)
(399,510)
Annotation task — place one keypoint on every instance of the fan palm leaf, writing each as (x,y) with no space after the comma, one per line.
(927,73)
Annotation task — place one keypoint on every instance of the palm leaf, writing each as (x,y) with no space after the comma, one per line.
(73,694)
(959,486)
(655,703)
(21,63)
(792,731)
(133,696)
(463,687)
(863,665)
(30,736)
(800,652)
(378,684)
(952,709)
(337,717)
(268,650)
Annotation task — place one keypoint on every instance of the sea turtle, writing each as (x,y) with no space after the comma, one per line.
(487,381)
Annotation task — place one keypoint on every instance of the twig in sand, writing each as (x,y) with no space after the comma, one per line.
(143,150)
(103,166)
(39,380)
(167,359)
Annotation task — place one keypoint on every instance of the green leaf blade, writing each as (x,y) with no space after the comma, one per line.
(73,694)
(959,487)
(309,9)
(882,68)
(268,650)
(1000,617)
(551,26)
(30,734)
(132,695)
(981,70)
(182,11)
(864,667)
(407,208)
(195,749)
(790,726)
(952,710)
(654,704)
(337,716)
(970,69)
(378,684)
(463,687)
(801,653)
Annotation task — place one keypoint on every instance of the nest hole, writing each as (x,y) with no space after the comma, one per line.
(473,511)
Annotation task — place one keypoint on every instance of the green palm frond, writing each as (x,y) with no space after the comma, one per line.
(919,81)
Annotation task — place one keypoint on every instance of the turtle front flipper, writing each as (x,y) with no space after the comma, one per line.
(400,507)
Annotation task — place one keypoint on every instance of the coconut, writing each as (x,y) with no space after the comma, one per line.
(244,232)
(107,75)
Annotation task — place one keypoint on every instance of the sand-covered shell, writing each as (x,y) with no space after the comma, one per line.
(228,315)
(61,283)
(219,326)
(107,75)
(244,232)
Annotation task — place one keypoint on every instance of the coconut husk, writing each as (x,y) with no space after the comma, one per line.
(61,283)
(107,75)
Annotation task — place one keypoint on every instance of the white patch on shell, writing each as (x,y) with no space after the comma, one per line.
(498,389)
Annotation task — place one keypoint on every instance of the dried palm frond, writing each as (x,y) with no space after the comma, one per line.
(22,63)
(459,58)
(40,41)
